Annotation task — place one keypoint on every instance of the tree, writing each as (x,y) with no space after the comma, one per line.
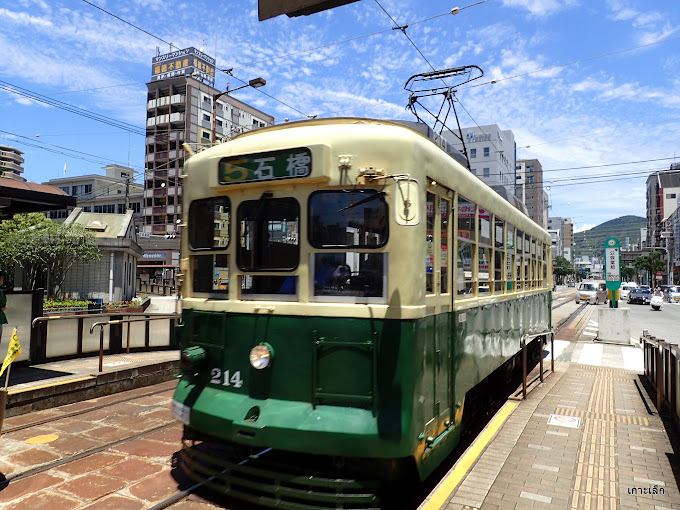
(628,274)
(650,264)
(19,222)
(562,267)
(47,251)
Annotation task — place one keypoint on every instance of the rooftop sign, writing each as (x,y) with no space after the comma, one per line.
(186,62)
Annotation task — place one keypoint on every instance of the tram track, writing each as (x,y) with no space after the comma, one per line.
(72,458)
(84,411)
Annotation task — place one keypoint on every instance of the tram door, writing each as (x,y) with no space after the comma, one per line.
(438,301)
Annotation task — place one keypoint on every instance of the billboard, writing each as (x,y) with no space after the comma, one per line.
(186,62)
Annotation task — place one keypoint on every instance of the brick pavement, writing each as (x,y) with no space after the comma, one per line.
(615,459)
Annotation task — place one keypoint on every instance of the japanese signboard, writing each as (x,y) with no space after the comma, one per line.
(186,62)
(612,258)
(266,166)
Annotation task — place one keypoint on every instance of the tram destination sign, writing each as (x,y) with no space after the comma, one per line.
(266,166)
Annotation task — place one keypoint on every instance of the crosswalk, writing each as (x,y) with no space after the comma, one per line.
(626,357)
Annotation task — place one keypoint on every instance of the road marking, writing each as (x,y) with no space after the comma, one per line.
(591,354)
(465,463)
(633,359)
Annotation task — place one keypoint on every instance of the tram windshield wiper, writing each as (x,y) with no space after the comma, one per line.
(375,195)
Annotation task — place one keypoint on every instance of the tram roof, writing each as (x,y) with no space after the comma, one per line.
(509,211)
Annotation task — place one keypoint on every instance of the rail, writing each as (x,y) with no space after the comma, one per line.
(121,321)
(662,369)
(526,339)
(134,317)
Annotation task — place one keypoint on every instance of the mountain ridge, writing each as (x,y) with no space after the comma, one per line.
(591,242)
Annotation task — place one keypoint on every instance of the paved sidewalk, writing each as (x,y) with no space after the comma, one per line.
(604,448)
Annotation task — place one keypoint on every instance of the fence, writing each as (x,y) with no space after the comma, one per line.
(62,336)
(662,369)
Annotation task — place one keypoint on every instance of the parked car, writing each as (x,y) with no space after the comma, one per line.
(640,295)
(570,284)
(593,292)
(626,288)
(672,293)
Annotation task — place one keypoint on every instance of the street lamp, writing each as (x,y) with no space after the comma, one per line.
(255,83)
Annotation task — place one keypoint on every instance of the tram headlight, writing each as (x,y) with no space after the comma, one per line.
(261,356)
(192,358)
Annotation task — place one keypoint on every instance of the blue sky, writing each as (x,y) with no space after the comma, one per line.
(580,83)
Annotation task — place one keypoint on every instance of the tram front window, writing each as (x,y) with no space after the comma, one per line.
(268,235)
(352,219)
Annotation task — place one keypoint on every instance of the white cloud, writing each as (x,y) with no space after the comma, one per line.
(541,7)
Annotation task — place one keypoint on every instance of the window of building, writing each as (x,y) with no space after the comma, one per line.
(530,169)
(486,172)
(205,135)
(206,117)
(219,123)
(670,195)
(474,171)
(486,152)
(473,153)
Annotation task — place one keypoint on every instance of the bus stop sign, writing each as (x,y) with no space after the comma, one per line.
(612,269)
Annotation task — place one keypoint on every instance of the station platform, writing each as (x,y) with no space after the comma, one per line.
(589,437)
(38,387)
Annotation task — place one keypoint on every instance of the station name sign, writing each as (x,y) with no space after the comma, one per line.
(186,62)
(266,166)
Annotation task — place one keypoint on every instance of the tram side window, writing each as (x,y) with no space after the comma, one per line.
(444,211)
(466,247)
(268,235)
(499,263)
(527,262)
(209,221)
(519,276)
(429,258)
(484,253)
(351,219)
(510,255)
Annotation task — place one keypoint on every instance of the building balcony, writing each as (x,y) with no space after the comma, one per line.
(159,192)
(160,210)
(160,156)
(159,229)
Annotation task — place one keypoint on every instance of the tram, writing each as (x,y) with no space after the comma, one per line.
(347,286)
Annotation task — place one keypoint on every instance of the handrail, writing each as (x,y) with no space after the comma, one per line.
(143,317)
(107,314)
(101,325)
(524,340)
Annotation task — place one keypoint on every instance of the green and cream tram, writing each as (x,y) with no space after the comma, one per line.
(346,284)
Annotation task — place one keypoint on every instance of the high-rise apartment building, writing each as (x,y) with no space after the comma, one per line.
(11,160)
(529,188)
(180,110)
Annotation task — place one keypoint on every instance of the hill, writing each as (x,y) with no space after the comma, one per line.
(591,242)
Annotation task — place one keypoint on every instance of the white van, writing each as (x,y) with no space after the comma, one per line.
(626,287)
(591,291)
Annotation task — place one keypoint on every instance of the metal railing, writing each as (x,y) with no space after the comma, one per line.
(122,321)
(662,369)
(66,339)
(524,341)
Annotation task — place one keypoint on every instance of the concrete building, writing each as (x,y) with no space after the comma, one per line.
(11,161)
(113,278)
(180,110)
(491,152)
(566,230)
(529,188)
(112,193)
(663,190)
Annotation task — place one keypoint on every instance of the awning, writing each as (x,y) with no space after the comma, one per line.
(23,197)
